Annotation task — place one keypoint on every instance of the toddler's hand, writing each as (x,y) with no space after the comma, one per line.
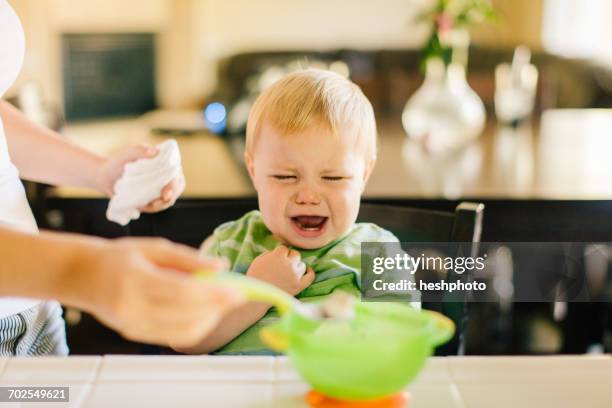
(283,268)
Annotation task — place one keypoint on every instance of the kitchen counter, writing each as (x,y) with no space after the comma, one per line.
(210,167)
(212,381)
(564,155)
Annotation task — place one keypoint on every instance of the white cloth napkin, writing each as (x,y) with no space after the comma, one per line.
(142,182)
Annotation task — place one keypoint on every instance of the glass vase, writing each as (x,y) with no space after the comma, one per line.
(444,113)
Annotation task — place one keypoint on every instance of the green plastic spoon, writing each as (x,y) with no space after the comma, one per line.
(257,290)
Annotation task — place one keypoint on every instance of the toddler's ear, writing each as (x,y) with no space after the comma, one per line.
(368,170)
(248,161)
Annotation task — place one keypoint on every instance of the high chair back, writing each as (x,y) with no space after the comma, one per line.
(418,225)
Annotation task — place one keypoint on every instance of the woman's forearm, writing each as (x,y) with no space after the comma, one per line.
(44,156)
(229,328)
(40,266)
(143,288)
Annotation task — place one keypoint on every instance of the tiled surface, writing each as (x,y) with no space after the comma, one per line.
(58,370)
(180,368)
(178,381)
(180,394)
(77,394)
(435,371)
(526,382)
(290,394)
(77,373)
(534,395)
(529,370)
(439,395)
(284,371)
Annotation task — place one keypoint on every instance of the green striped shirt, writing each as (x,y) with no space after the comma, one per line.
(336,265)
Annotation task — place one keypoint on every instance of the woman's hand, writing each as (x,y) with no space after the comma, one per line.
(112,169)
(144,289)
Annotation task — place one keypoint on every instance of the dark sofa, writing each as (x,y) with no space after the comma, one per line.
(389,77)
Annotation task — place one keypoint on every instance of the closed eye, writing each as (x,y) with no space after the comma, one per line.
(283,177)
(333,178)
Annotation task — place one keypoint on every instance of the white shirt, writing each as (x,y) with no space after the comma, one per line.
(14,209)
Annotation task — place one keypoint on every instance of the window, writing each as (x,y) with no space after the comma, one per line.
(578,28)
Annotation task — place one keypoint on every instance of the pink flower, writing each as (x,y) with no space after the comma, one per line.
(445,22)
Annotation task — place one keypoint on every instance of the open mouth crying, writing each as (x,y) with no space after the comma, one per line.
(309,222)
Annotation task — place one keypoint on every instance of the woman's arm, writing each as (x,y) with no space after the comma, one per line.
(143,288)
(43,155)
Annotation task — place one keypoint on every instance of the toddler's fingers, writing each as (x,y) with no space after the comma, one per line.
(308,277)
(281,249)
(294,255)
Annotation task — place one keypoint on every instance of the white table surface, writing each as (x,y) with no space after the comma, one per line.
(180,381)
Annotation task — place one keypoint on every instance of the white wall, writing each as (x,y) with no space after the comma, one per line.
(580,29)
(225,28)
(241,25)
(194,34)
(100,15)
(45,20)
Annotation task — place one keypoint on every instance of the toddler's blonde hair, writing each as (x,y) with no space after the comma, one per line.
(314,97)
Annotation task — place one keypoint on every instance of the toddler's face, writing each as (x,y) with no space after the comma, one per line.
(308,185)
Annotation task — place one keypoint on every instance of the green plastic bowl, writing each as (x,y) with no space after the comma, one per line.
(376,354)
(373,355)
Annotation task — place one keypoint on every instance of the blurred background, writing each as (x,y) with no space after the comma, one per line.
(181,46)
(463,115)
